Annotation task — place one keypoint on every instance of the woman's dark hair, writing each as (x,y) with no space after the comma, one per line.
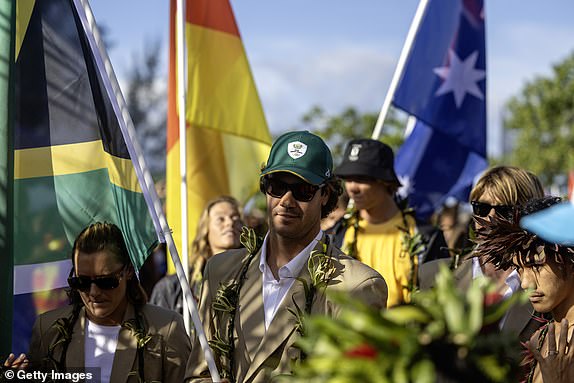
(104,236)
(335,189)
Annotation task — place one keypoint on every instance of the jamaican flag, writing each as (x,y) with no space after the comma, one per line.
(71,164)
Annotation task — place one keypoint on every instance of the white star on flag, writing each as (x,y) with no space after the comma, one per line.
(460,77)
(407,187)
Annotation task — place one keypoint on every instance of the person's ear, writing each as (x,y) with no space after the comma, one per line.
(129,272)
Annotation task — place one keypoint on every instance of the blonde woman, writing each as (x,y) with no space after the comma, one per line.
(218,230)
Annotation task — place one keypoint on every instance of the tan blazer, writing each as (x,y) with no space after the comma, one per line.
(260,355)
(165,354)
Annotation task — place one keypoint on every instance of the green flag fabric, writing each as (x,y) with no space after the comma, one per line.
(72,166)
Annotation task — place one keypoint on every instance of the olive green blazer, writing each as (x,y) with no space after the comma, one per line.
(261,355)
(165,355)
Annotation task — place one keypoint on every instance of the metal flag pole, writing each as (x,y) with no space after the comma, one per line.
(415,24)
(145,179)
(181,75)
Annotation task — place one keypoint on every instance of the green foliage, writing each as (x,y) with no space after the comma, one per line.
(443,333)
(542,118)
(337,130)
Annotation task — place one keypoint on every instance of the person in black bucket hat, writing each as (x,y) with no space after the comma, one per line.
(369,158)
(375,233)
(270,279)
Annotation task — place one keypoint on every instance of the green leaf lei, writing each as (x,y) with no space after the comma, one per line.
(321,269)
(225,306)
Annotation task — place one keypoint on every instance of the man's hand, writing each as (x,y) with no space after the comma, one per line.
(557,364)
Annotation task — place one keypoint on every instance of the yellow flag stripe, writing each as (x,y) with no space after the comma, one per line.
(24,10)
(221,92)
(82,157)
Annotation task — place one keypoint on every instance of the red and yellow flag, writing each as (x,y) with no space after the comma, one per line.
(227,135)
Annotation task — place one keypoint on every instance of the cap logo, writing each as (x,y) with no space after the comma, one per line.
(296,149)
(354,155)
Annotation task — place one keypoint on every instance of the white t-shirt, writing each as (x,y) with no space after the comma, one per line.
(100,347)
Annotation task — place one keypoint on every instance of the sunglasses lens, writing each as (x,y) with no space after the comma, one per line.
(504,211)
(482,209)
(303,191)
(85,283)
(275,188)
(107,283)
(80,283)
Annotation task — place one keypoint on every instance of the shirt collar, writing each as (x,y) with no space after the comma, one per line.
(512,280)
(295,265)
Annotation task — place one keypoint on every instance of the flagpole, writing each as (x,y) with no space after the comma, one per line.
(415,24)
(181,96)
(145,179)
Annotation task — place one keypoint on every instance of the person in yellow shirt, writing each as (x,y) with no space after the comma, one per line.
(378,234)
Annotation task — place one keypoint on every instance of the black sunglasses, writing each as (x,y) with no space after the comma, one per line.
(302,191)
(84,283)
(482,209)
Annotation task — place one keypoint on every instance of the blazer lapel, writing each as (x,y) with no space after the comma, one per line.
(283,324)
(517,318)
(251,315)
(75,353)
(125,351)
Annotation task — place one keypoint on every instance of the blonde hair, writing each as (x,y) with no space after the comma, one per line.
(200,247)
(509,185)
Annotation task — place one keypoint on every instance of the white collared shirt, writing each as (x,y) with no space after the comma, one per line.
(274,291)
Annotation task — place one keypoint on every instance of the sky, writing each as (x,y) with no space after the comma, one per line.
(336,54)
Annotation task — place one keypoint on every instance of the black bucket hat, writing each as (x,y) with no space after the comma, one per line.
(368,158)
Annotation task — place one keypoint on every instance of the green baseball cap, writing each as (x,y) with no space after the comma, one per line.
(301,153)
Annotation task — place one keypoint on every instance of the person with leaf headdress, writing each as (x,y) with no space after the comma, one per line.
(546,270)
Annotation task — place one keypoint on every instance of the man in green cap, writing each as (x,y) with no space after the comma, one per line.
(255,296)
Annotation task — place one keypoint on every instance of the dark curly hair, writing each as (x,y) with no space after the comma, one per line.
(499,239)
(334,187)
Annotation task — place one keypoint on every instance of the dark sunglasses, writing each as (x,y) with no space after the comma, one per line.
(84,283)
(302,191)
(482,209)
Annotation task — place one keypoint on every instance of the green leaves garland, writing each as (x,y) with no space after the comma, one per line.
(225,306)
(321,268)
(443,333)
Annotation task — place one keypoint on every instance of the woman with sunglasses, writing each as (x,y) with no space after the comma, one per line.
(496,192)
(109,326)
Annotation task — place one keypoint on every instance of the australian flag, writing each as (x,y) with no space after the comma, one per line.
(443,85)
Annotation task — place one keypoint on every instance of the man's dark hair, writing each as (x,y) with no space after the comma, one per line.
(335,189)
